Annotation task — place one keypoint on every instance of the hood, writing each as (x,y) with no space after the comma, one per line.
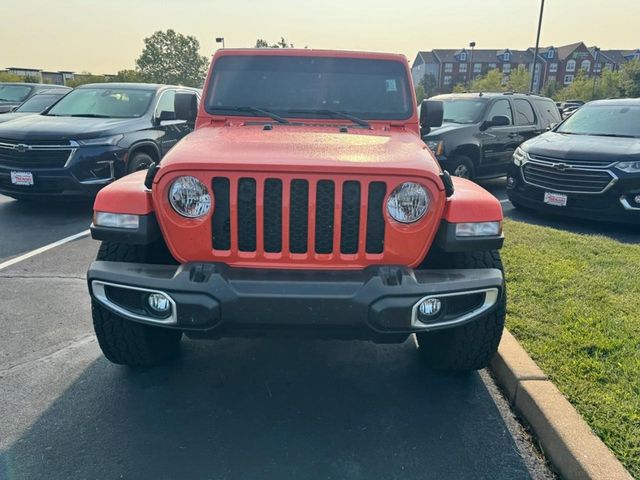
(583,147)
(439,132)
(42,127)
(13,115)
(302,149)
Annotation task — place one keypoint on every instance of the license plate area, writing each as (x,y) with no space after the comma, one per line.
(555,199)
(24,179)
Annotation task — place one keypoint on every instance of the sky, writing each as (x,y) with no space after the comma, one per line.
(104,36)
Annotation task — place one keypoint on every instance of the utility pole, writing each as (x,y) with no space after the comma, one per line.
(535,54)
(596,70)
(470,67)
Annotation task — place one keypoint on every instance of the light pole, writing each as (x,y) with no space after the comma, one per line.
(535,54)
(596,70)
(220,40)
(470,74)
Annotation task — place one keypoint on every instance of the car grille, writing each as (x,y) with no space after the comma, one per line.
(34,155)
(273,216)
(574,163)
(567,179)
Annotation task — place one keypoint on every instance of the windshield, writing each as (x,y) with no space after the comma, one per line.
(14,93)
(604,120)
(462,110)
(295,86)
(38,103)
(104,102)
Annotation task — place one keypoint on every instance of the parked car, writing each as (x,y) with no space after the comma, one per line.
(36,104)
(567,108)
(588,166)
(95,134)
(482,130)
(12,95)
(304,203)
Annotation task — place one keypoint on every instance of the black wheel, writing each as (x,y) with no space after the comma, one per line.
(139,161)
(125,342)
(461,166)
(470,346)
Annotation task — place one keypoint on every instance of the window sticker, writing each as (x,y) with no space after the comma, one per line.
(391,85)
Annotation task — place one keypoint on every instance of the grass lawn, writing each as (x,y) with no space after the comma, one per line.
(574,304)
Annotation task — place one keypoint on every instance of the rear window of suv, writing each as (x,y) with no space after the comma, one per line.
(366,88)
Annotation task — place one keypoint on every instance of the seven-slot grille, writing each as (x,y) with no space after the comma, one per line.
(567,178)
(298,216)
(34,155)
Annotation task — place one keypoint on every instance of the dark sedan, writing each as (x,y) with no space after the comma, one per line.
(12,95)
(94,135)
(587,167)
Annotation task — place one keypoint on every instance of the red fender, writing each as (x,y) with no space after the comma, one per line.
(471,203)
(126,195)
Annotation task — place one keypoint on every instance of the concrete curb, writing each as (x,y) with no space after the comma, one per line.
(567,441)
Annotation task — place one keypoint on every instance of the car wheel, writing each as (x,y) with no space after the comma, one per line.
(462,166)
(125,342)
(472,345)
(139,161)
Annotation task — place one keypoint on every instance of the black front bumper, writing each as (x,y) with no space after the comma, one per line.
(377,303)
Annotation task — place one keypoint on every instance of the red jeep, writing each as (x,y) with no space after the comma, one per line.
(304,203)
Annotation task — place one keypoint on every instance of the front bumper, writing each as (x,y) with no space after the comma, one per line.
(76,179)
(377,303)
(614,205)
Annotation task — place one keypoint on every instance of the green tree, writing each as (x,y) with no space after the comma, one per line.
(10,77)
(428,83)
(420,95)
(550,89)
(84,78)
(129,76)
(519,80)
(630,79)
(282,43)
(172,58)
(490,82)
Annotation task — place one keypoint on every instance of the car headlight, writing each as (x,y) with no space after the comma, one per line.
(519,157)
(408,203)
(92,142)
(189,197)
(480,229)
(116,220)
(629,167)
(436,146)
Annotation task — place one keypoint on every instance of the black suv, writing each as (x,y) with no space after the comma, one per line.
(95,134)
(12,95)
(482,130)
(36,104)
(588,166)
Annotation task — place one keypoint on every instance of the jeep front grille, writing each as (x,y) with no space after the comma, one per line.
(567,178)
(34,155)
(273,216)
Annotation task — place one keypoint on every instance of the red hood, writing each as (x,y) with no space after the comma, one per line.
(315,149)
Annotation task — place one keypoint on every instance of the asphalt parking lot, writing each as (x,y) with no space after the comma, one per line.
(226,409)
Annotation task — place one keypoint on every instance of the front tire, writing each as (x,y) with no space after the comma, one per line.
(125,342)
(470,346)
(462,166)
(139,161)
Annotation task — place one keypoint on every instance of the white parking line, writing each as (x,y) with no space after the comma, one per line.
(46,248)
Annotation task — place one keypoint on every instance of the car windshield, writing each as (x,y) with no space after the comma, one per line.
(40,102)
(311,87)
(462,110)
(104,102)
(604,120)
(14,93)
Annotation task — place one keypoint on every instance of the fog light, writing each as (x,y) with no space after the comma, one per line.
(159,304)
(429,309)
(636,199)
(511,182)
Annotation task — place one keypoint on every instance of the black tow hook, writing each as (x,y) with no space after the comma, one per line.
(448,183)
(151,174)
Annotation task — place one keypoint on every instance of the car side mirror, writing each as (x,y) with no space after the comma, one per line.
(165,116)
(497,121)
(186,106)
(431,115)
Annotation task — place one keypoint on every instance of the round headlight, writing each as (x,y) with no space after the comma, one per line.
(408,203)
(189,197)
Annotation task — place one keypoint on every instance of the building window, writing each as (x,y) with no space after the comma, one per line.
(585,65)
(551,78)
(493,66)
(463,68)
(448,67)
(597,68)
(463,57)
(477,68)
(506,57)
(608,66)
(550,53)
(506,68)
(447,79)
(568,79)
(571,66)
(553,67)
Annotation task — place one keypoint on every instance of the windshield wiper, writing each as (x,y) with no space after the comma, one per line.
(335,113)
(616,135)
(87,115)
(255,111)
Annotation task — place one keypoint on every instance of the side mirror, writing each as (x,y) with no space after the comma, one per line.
(431,114)
(165,116)
(497,121)
(186,106)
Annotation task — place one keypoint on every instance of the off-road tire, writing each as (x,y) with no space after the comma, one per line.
(139,161)
(461,161)
(123,341)
(472,345)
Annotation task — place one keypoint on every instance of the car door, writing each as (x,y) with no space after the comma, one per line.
(527,122)
(498,142)
(165,121)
